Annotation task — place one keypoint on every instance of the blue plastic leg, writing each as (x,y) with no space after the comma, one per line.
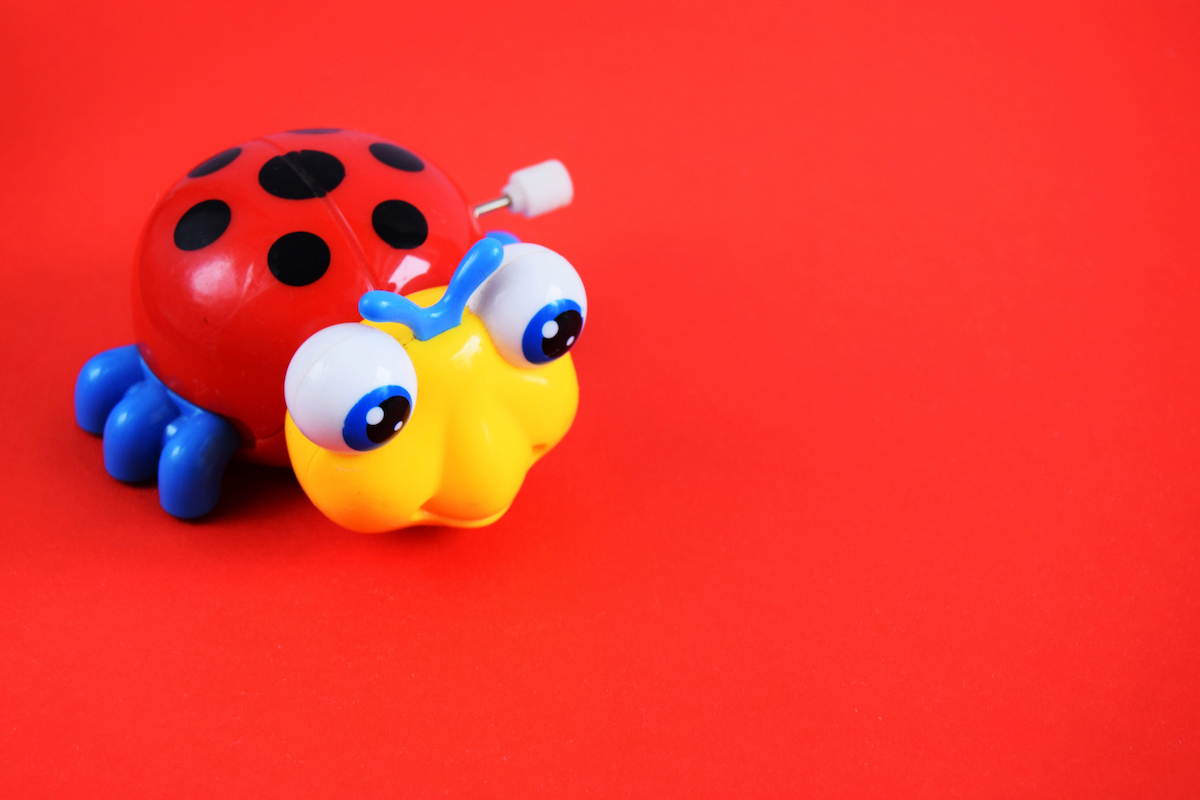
(134,430)
(196,450)
(149,430)
(102,383)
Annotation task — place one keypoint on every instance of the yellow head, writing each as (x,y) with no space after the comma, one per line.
(477,427)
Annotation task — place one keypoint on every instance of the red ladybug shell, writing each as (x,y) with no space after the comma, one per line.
(265,244)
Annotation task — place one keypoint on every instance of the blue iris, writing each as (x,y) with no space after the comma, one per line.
(543,342)
(377,417)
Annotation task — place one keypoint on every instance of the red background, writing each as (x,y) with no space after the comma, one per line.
(884,481)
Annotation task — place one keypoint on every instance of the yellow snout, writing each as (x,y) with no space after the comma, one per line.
(479,424)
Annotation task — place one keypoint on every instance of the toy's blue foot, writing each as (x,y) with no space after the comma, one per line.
(149,430)
(195,452)
(102,383)
(133,434)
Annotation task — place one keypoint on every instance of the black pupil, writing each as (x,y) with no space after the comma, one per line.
(570,323)
(395,410)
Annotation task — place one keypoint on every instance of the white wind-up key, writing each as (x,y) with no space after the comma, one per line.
(534,190)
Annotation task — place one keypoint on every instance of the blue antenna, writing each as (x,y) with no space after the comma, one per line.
(476,266)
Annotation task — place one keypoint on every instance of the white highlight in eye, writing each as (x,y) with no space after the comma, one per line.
(375,416)
(570,341)
(399,425)
(550,329)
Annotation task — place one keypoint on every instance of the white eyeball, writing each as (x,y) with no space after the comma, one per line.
(533,306)
(350,387)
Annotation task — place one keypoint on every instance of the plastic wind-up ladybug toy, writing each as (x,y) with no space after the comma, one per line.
(251,277)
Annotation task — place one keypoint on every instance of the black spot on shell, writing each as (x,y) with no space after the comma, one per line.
(219,161)
(202,224)
(298,258)
(301,174)
(315,130)
(400,224)
(396,157)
